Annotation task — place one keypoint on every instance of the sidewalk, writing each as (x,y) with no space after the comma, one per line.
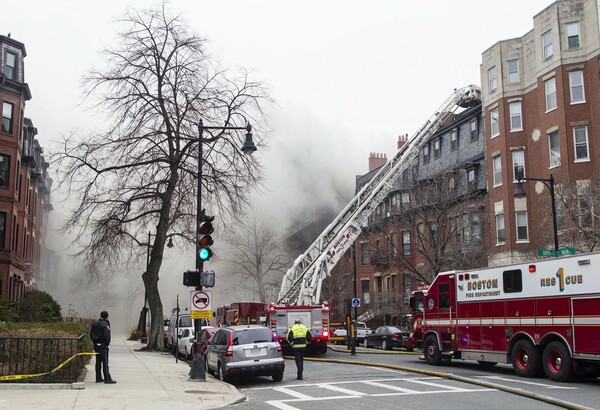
(145,380)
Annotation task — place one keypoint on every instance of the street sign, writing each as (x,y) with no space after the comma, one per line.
(200,300)
(552,252)
(355,302)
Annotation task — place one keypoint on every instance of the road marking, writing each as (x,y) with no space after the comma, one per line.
(387,386)
(439,386)
(292,393)
(281,405)
(548,386)
(341,390)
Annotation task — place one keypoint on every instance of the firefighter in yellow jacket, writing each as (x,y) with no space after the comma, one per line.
(298,337)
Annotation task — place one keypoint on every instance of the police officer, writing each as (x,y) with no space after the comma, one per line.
(298,337)
(100,335)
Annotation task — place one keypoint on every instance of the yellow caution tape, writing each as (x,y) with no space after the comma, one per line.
(27,376)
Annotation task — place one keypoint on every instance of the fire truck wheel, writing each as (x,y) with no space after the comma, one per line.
(432,352)
(526,359)
(557,362)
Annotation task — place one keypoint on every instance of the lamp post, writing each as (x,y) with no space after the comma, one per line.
(144,320)
(197,370)
(549,183)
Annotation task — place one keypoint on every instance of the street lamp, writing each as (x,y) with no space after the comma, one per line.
(197,371)
(549,183)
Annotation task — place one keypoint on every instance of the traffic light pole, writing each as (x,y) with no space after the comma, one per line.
(197,370)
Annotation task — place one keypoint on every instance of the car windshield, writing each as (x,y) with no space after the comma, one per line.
(252,335)
(394,329)
(185,321)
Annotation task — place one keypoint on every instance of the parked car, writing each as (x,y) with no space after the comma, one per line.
(186,343)
(205,335)
(386,337)
(362,331)
(247,350)
(184,321)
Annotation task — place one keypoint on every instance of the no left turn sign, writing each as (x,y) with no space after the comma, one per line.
(201,300)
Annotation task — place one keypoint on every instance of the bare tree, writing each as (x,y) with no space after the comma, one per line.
(141,172)
(258,255)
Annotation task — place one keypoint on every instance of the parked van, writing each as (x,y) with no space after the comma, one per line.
(177,325)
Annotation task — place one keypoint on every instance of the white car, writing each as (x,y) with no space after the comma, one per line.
(185,343)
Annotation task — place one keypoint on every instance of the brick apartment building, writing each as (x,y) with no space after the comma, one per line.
(541,96)
(24,183)
(541,101)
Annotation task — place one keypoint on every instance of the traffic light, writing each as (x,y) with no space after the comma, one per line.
(205,228)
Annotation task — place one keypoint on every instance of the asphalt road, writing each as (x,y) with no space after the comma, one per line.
(386,381)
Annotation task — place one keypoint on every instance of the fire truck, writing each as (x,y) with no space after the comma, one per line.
(537,316)
(239,313)
(315,317)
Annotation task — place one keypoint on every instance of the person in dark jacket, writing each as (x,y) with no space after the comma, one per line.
(298,337)
(100,335)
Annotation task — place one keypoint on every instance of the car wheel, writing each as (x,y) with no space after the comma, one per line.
(557,363)
(526,359)
(208,370)
(277,377)
(365,343)
(221,374)
(433,354)
(384,345)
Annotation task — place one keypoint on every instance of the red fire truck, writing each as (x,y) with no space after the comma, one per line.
(239,313)
(542,315)
(316,317)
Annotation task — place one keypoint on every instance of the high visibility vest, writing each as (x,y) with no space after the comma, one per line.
(297,336)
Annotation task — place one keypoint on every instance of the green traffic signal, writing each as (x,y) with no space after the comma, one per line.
(204,239)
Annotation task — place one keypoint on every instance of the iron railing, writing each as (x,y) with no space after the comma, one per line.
(36,359)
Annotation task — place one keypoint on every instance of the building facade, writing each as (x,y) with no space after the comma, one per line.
(24,183)
(541,100)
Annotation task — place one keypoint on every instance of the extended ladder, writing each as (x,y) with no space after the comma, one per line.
(302,283)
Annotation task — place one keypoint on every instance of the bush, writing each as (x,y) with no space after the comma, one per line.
(39,306)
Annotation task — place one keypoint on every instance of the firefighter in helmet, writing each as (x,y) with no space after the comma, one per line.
(298,337)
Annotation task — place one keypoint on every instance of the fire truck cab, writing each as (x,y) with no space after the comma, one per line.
(537,316)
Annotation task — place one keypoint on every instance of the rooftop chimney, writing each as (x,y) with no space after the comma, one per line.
(376,159)
(402,139)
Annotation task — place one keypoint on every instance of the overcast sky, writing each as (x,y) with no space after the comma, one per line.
(349,76)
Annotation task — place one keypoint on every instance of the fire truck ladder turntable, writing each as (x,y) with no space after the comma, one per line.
(302,283)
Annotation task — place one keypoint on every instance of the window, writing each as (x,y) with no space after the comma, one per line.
(10,68)
(471,177)
(573,35)
(493,82)
(437,148)
(394,244)
(550,86)
(516,122)
(364,253)
(497,168)
(586,211)
(576,85)
(454,139)
(405,243)
(580,139)
(513,71)
(421,236)
(364,285)
(7,117)
(379,284)
(433,231)
(554,148)
(4,171)
(500,237)
(473,130)
(495,124)
(444,296)
(512,281)
(518,158)
(426,154)
(548,50)
(522,234)
(452,183)
(2,229)
(405,198)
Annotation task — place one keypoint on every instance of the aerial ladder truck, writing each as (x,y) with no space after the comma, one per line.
(301,286)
